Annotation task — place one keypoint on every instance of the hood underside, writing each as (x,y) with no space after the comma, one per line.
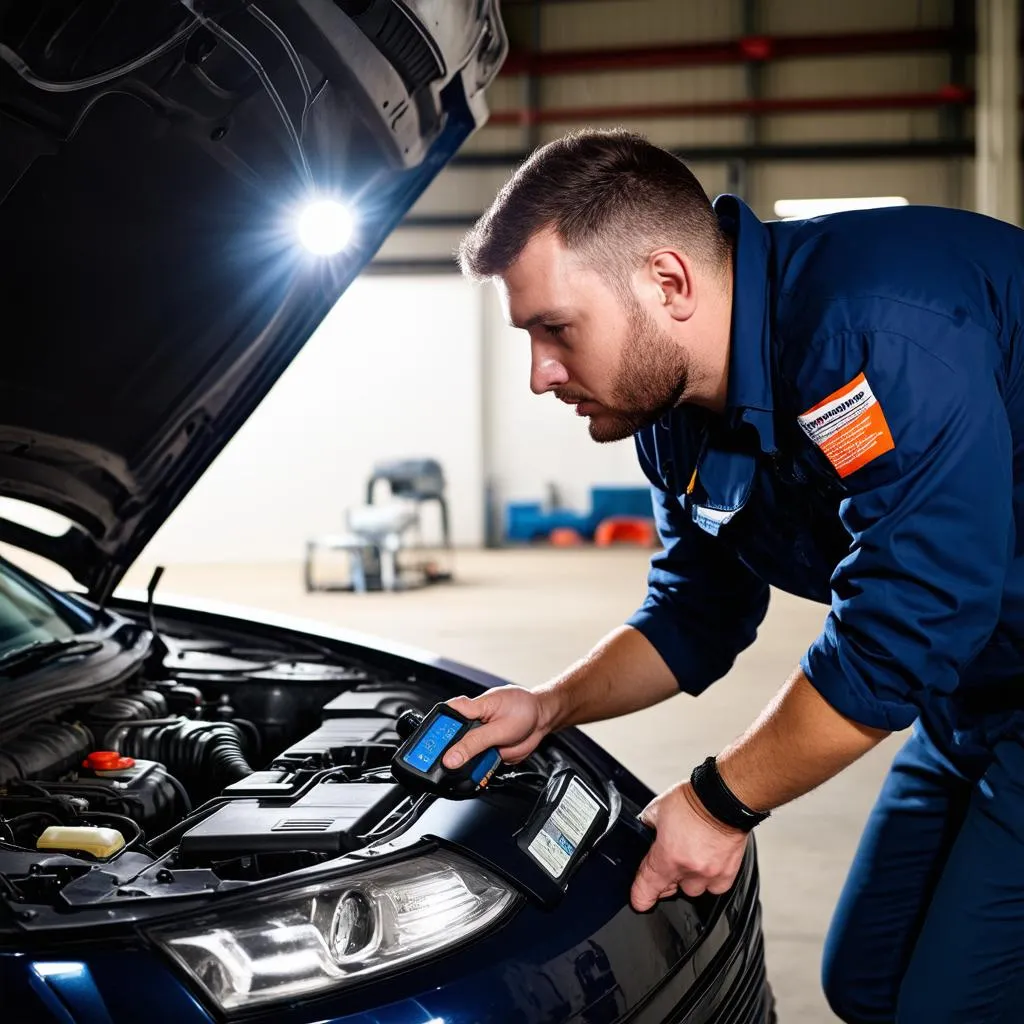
(153,157)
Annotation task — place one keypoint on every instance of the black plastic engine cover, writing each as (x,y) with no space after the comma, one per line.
(375,701)
(330,818)
(337,736)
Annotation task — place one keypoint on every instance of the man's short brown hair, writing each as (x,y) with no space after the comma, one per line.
(610,195)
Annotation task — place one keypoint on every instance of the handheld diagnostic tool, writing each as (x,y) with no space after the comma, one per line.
(417,763)
(565,823)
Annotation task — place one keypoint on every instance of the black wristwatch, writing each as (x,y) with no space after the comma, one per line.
(720,801)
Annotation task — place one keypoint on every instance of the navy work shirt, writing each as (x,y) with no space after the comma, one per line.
(871,457)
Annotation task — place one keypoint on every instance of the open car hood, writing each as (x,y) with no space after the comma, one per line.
(153,156)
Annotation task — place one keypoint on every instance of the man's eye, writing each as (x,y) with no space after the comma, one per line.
(555,330)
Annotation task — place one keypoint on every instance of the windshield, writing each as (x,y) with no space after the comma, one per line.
(26,615)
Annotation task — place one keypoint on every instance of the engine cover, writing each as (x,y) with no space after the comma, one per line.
(330,818)
(282,809)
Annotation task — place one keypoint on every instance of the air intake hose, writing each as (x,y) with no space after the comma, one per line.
(104,715)
(49,748)
(200,753)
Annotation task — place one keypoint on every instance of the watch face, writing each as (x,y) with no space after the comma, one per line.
(432,744)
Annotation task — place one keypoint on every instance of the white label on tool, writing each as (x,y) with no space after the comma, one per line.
(562,833)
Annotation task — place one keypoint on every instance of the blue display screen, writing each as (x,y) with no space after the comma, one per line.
(432,743)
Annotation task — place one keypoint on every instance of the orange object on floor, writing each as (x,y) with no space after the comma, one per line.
(626,530)
(565,537)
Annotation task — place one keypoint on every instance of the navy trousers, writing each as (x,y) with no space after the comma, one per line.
(930,925)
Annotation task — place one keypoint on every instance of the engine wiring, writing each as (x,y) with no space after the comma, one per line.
(178,788)
(9,824)
(81,789)
(508,780)
(20,819)
(191,819)
(138,833)
(386,829)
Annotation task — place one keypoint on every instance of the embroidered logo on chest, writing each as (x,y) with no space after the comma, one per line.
(849,427)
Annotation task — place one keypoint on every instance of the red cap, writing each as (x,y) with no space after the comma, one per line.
(107,761)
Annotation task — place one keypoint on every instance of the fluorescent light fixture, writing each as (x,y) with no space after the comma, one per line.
(794,209)
(325,226)
(59,969)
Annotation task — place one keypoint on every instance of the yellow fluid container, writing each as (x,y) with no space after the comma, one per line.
(99,841)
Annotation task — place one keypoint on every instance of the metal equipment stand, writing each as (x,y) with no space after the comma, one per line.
(379,538)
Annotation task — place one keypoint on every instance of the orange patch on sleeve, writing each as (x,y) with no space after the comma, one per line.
(849,427)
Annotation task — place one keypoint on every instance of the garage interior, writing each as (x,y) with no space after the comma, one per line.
(774,100)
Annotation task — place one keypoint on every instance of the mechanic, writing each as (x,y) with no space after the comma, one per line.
(835,408)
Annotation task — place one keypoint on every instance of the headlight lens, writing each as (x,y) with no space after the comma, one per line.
(320,938)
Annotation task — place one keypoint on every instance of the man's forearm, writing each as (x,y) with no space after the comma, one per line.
(623,673)
(798,742)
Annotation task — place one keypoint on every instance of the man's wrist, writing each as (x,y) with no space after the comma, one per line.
(704,814)
(553,708)
(720,801)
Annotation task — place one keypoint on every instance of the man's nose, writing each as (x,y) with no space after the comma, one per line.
(546,373)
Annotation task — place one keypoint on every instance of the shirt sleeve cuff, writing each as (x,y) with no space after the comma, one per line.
(695,665)
(844,688)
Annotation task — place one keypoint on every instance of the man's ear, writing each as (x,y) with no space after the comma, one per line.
(671,274)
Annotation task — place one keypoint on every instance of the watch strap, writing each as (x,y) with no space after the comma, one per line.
(720,801)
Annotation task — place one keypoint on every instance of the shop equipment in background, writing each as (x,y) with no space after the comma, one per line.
(616,515)
(384,540)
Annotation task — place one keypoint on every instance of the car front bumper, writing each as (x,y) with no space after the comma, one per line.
(592,960)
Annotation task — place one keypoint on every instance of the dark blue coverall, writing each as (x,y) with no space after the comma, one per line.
(871,458)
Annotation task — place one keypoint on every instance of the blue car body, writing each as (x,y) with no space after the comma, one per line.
(141,181)
(582,955)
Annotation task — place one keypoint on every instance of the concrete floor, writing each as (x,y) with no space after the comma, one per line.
(525,615)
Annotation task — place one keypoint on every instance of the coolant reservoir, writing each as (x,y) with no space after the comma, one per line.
(99,841)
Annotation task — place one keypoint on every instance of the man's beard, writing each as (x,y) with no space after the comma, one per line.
(652,377)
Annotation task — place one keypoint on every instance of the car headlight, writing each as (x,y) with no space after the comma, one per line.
(322,937)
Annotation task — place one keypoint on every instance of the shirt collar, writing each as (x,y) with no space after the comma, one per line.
(749,394)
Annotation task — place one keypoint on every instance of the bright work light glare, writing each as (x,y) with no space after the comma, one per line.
(325,227)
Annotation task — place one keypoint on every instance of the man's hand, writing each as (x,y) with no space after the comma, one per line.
(515,721)
(592,690)
(693,851)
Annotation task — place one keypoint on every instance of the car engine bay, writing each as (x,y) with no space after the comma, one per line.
(221,761)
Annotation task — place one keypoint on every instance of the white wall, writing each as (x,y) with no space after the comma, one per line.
(536,440)
(392,372)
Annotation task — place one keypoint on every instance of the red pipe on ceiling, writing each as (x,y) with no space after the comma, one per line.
(949,95)
(732,51)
